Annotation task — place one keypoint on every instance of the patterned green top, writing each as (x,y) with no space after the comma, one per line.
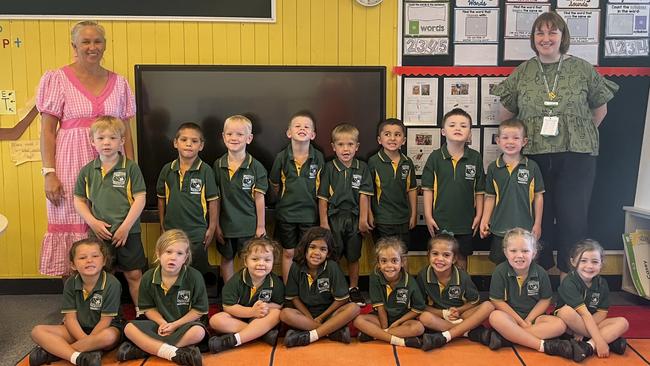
(580,88)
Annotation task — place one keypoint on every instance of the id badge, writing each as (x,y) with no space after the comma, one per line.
(550,126)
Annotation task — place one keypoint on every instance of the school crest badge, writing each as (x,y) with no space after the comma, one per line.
(356,181)
(522,176)
(96,302)
(196,186)
(323,284)
(470,172)
(405,171)
(119,179)
(313,171)
(247,182)
(402,296)
(265,295)
(454,292)
(183,297)
(595,299)
(532,288)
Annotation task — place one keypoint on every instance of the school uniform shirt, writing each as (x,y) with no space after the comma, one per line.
(515,189)
(239,290)
(455,184)
(298,203)
(459,290)
(111,193)
(575,293)
(317,293)
(187,293)
(238,217)
(405,297)
(393,182)
(340,186)
(103,300)
(186,197)
(522,294)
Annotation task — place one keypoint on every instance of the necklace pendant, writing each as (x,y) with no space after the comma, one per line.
(552,95)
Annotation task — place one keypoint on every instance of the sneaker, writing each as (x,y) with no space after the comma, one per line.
(413,342)
(270,337)
(296,338)
(342,335)
(356,297)
(559,347)
(618,346)
(497,341)
(190,356)
(89,359)
(581,350)
(38,356)
(480,335)
(363,337)
(221,343)
(434,340)
(129,351)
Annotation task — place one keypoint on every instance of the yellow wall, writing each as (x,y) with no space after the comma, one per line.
(307,32)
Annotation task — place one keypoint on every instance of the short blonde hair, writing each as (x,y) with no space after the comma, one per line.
(265,243)
(109,123)
(241,119)
(345,129)
(526,235)
(74,33)
(171,237)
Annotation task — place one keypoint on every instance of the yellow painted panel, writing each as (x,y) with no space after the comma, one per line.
(148,44)
(219,44)
(205,40)
(317,32)
(303,29)
(5,165)
(289,40)
(176,43)
(372,35)
(191,42)
(120,48)
(276,48)
(63,51)
(331,33)
(345,33)
(233,44)
(162,41)
(359,29)
(247,39)
(134,48)
(261,44)
(109,58)
(47,46)
(388,51)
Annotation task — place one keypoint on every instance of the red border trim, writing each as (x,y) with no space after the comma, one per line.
(501,71)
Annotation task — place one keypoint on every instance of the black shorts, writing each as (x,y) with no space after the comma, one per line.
(347,238)
(465,244)
(496,250)
(129,256)
(289,234)
(399,230)
(232,247)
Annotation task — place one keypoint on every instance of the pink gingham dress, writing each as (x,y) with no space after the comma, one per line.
(62,95)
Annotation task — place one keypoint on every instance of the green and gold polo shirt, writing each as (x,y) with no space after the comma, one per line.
(405,297)
(575,293)
(340,186)
(522,294)
(317,293)
(103,300)
(393,182)
(459,290)
(239,290)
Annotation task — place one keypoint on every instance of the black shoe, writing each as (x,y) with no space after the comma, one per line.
(129,351)
(363,337)
(89,359)
(296,338)
(497,341)
(480,334)
(342,335)
(434,340)
(38,356)
(566,336)
(190,356)
(271,337)
(581,350)
(618,346)
(413,342)
(356,297)
(559,347)
(221,343)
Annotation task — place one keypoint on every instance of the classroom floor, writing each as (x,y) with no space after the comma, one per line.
(21,313)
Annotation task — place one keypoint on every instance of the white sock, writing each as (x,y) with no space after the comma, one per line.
(166,351)
(73,358)
(313,336)
(466,334)
(541,346)
(397,341)
(592,344)
(238,339)
(447,335)
(137,312)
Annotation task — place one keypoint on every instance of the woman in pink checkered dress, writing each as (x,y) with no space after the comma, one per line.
(69,100)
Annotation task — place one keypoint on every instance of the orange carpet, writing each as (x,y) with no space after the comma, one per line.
(459,351)
(326,353)
(630,358)
(642,346)
(251,354)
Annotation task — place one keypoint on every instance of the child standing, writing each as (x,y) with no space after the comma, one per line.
(319,293)
(294,177)
(187,193)
(514,190)
(396,298)
(110,195)
(252,299)
(91,303)
(395,201)
(453,301)
(583,302)
(453,183)
(520,291)
(344,195)
(173,298)
(242,182)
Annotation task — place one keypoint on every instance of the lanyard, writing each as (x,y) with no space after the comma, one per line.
(550,92)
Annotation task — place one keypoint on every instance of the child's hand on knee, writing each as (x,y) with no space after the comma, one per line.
(260,309)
